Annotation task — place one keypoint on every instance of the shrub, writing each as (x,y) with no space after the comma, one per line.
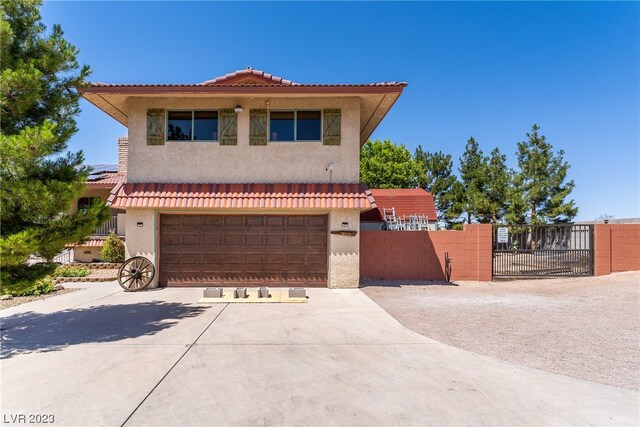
(113,249)
(72,271)
(26,280)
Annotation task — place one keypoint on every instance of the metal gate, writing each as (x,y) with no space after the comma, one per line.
(542,250)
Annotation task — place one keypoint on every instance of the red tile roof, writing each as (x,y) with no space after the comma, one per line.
(241,196)
(107,180)
(406,201)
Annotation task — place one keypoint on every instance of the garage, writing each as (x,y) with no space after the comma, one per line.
(243,250)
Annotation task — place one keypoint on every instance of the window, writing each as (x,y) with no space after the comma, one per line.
(295,126)
(86,202)
(192,126)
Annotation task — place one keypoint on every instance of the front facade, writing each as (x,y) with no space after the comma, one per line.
(247,179)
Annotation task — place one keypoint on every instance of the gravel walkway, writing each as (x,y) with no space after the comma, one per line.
(587,328)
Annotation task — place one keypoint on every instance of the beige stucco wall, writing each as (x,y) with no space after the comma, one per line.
(344,251)
(343,264)
(277,162)
(141,241)
(86,254)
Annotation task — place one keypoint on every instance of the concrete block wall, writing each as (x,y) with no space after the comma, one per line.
(616,248)
(419,255)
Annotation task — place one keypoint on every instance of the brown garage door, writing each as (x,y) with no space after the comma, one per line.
(247,250)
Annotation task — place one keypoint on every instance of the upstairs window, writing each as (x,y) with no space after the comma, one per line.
(295,126)
(85,203)
(192,125)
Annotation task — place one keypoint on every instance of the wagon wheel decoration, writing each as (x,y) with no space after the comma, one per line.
(136,274)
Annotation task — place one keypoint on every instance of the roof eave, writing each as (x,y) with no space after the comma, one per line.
(272,89)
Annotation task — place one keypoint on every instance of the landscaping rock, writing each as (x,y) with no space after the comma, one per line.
(58,287)
(5,297)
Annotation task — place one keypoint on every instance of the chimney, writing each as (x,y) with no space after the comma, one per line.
(123,148)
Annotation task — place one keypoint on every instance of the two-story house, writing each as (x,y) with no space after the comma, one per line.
(247,179)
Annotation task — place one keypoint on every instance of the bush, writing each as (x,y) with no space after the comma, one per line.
(72,271)
(26,280)
(113,249)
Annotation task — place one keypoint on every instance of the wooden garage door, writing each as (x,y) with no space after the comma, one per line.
(243,250)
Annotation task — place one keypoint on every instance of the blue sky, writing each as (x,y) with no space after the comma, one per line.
(488,70)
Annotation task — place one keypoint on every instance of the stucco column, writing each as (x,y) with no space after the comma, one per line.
(344,251)
(141,231)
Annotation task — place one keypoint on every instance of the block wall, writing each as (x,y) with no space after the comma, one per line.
(420,255)
(617,248)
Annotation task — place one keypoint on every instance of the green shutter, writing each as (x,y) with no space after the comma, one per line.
(228,122)
(331,127)
(258,127)
(155,127)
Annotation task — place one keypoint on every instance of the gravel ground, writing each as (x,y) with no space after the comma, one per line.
(23,300)
(587,328)
(110,273)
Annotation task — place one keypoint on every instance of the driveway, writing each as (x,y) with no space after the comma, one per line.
(104,357)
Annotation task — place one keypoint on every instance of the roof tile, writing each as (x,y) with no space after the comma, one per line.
(243,196)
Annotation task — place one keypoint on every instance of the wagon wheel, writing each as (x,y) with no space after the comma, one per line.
(136,274)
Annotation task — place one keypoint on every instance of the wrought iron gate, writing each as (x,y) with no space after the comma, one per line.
(542,250)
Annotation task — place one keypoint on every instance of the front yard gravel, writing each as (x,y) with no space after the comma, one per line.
(587,328)
(23,300)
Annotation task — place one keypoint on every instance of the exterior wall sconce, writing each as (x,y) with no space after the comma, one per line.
(139,224)
(238,109)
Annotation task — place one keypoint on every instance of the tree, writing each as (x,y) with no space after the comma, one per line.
(384,164)
(541,193)
(38,177)
(473,175)
(496,188)
(437,178)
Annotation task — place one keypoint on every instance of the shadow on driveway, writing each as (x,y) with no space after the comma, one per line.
(36,332)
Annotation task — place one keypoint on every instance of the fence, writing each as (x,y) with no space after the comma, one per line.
(543,250)
(420,255)
(110,225)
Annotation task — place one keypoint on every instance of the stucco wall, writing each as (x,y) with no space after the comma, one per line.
(141,241)
(86,254)
(344,251)
(277,162)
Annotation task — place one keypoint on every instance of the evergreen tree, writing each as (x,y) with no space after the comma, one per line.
(541,193)
(38,177)
(496,188)
(473,174)
(384,164)
(437,178)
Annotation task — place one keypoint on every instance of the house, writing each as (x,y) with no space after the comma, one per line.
(102,180)
(405,203)
(246,179)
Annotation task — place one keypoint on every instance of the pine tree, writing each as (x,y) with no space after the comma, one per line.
(541,193)
(437,178)
(38,177)
(473,175)
(496,188)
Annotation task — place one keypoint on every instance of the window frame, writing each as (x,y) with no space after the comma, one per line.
(295,125)
(193,125)
(92,200)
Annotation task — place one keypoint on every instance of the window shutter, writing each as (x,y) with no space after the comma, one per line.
(258,127)
(155,127)
(331,127)
(228,127)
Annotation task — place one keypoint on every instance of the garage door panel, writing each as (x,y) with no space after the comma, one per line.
(212,220)
(243,250)
(319,221)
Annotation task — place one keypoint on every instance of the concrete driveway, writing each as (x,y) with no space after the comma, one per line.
(105,357)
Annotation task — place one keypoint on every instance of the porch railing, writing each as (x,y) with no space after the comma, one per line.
(110,225)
